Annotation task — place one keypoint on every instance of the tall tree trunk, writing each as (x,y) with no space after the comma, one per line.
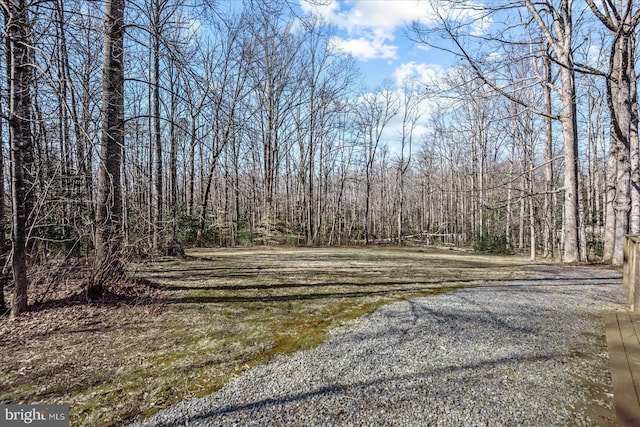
(157,141)
(610,197)
(622,202)
(529,152)
(4,250)
(17,28)
(173,155)
(367,199)
(84,145)
(270,147)
(571,250)
(206,192)
(108,265)
(508,233)
(522,215)
(68,215)
(401,173)
(621,122)
(623,169)
(560,39)
(582,224)
(549,219)
(634,140)
(192,162)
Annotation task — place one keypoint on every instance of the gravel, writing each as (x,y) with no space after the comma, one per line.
(529,352)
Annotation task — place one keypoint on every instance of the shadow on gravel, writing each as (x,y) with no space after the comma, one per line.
(539,285)
(211,415)
(315,285)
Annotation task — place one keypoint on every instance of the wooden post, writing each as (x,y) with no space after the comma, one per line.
(634,291)
(626,267)
(631,271)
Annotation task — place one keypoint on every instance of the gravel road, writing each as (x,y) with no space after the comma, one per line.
(520,353)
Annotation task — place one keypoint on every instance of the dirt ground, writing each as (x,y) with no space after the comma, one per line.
(187,326)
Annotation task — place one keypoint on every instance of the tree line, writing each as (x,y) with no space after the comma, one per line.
(133,128)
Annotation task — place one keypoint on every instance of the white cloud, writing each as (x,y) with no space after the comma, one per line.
(480,25)
(422,73)
(494,57)
(385,16)
(325,9)
(365,48)
(194,27)
(370,26)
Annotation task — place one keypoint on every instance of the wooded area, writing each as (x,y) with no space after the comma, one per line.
(134,128)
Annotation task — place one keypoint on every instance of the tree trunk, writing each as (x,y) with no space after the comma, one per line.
(631,102)
(17,28)
(549,220)
(623,174)
(4,250)
(521,217)
(508,233)
(610,196)
(622,200)
(530,153)
(108,265)
(532,228)
(400,201)
(157,141)
(173,157)
(571,252)
(621,122)
(192,162)
(205,203)
(562,43)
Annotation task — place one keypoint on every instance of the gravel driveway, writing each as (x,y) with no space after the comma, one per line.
(520,353)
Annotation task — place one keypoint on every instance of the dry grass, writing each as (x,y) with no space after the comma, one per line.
(205,319)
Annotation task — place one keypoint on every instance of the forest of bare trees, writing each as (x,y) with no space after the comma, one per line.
(134,128)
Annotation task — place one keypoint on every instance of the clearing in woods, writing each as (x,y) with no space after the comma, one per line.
(192,324)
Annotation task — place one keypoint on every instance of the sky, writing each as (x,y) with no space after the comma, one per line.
(376,33)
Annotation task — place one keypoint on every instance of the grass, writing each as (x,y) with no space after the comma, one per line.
(211,317)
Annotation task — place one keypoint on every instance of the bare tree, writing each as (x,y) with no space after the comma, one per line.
(555,23)
(411,113)
(19,72)
(228,90)
(162,23)
(253,134)
(374,111)
(621,20)
(549,233)
(558,33)
(273,59)
(108,240)
(4,250)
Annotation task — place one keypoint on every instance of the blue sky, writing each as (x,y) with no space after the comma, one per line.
(375,33)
